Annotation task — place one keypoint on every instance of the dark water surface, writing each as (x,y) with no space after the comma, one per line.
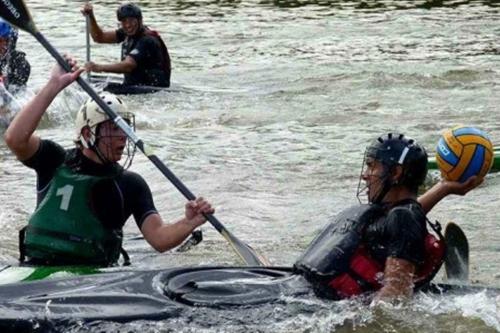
(275,103)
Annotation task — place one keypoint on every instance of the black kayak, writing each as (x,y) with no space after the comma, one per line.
(122,89)
(114,85)
(126,296)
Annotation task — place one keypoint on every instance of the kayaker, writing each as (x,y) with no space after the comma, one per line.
(84,195)
(144,58)
(383,245)
(14,71)
(14,68)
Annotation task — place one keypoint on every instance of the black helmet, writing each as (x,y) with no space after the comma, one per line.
(396,149)
(128,10)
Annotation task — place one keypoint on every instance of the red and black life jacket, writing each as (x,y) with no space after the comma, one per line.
(365,273)
(338,260)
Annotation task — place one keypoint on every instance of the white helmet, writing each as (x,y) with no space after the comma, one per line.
(91,115)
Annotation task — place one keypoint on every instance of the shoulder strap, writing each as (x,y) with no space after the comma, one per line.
(164,51)
(435,250)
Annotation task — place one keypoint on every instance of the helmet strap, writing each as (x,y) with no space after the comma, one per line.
(99,154)
(387,184)
(92,144)
(84,142)
(94,141)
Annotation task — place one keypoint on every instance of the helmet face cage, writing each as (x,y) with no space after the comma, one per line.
(393,150)
(383,180)
(92,116)
(130,148)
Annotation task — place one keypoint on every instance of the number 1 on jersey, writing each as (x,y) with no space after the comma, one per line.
(65,192)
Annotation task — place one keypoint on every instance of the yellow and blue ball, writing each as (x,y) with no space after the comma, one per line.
(463,152)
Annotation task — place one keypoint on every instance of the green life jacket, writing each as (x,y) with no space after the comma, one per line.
(63,229)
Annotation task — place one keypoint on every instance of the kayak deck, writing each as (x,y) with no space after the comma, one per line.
(159,294)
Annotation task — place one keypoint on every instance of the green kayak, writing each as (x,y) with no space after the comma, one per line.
(13,274)
(496,161)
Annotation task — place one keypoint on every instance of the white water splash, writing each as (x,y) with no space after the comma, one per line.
(477,305)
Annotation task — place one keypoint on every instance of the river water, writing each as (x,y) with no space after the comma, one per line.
(275,102)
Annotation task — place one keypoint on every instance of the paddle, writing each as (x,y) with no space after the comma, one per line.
(87,41)
(16,12)
(456,262)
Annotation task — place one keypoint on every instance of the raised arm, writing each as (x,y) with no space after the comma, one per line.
(98,35)
(444,188)
(20,137)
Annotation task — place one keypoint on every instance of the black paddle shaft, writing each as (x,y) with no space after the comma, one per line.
(87,40)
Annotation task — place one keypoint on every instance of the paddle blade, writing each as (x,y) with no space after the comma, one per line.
(245,252)
(16,13)
(457,253)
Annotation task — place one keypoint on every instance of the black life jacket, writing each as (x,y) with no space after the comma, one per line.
(339,266)
(166,64)
(159,74)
